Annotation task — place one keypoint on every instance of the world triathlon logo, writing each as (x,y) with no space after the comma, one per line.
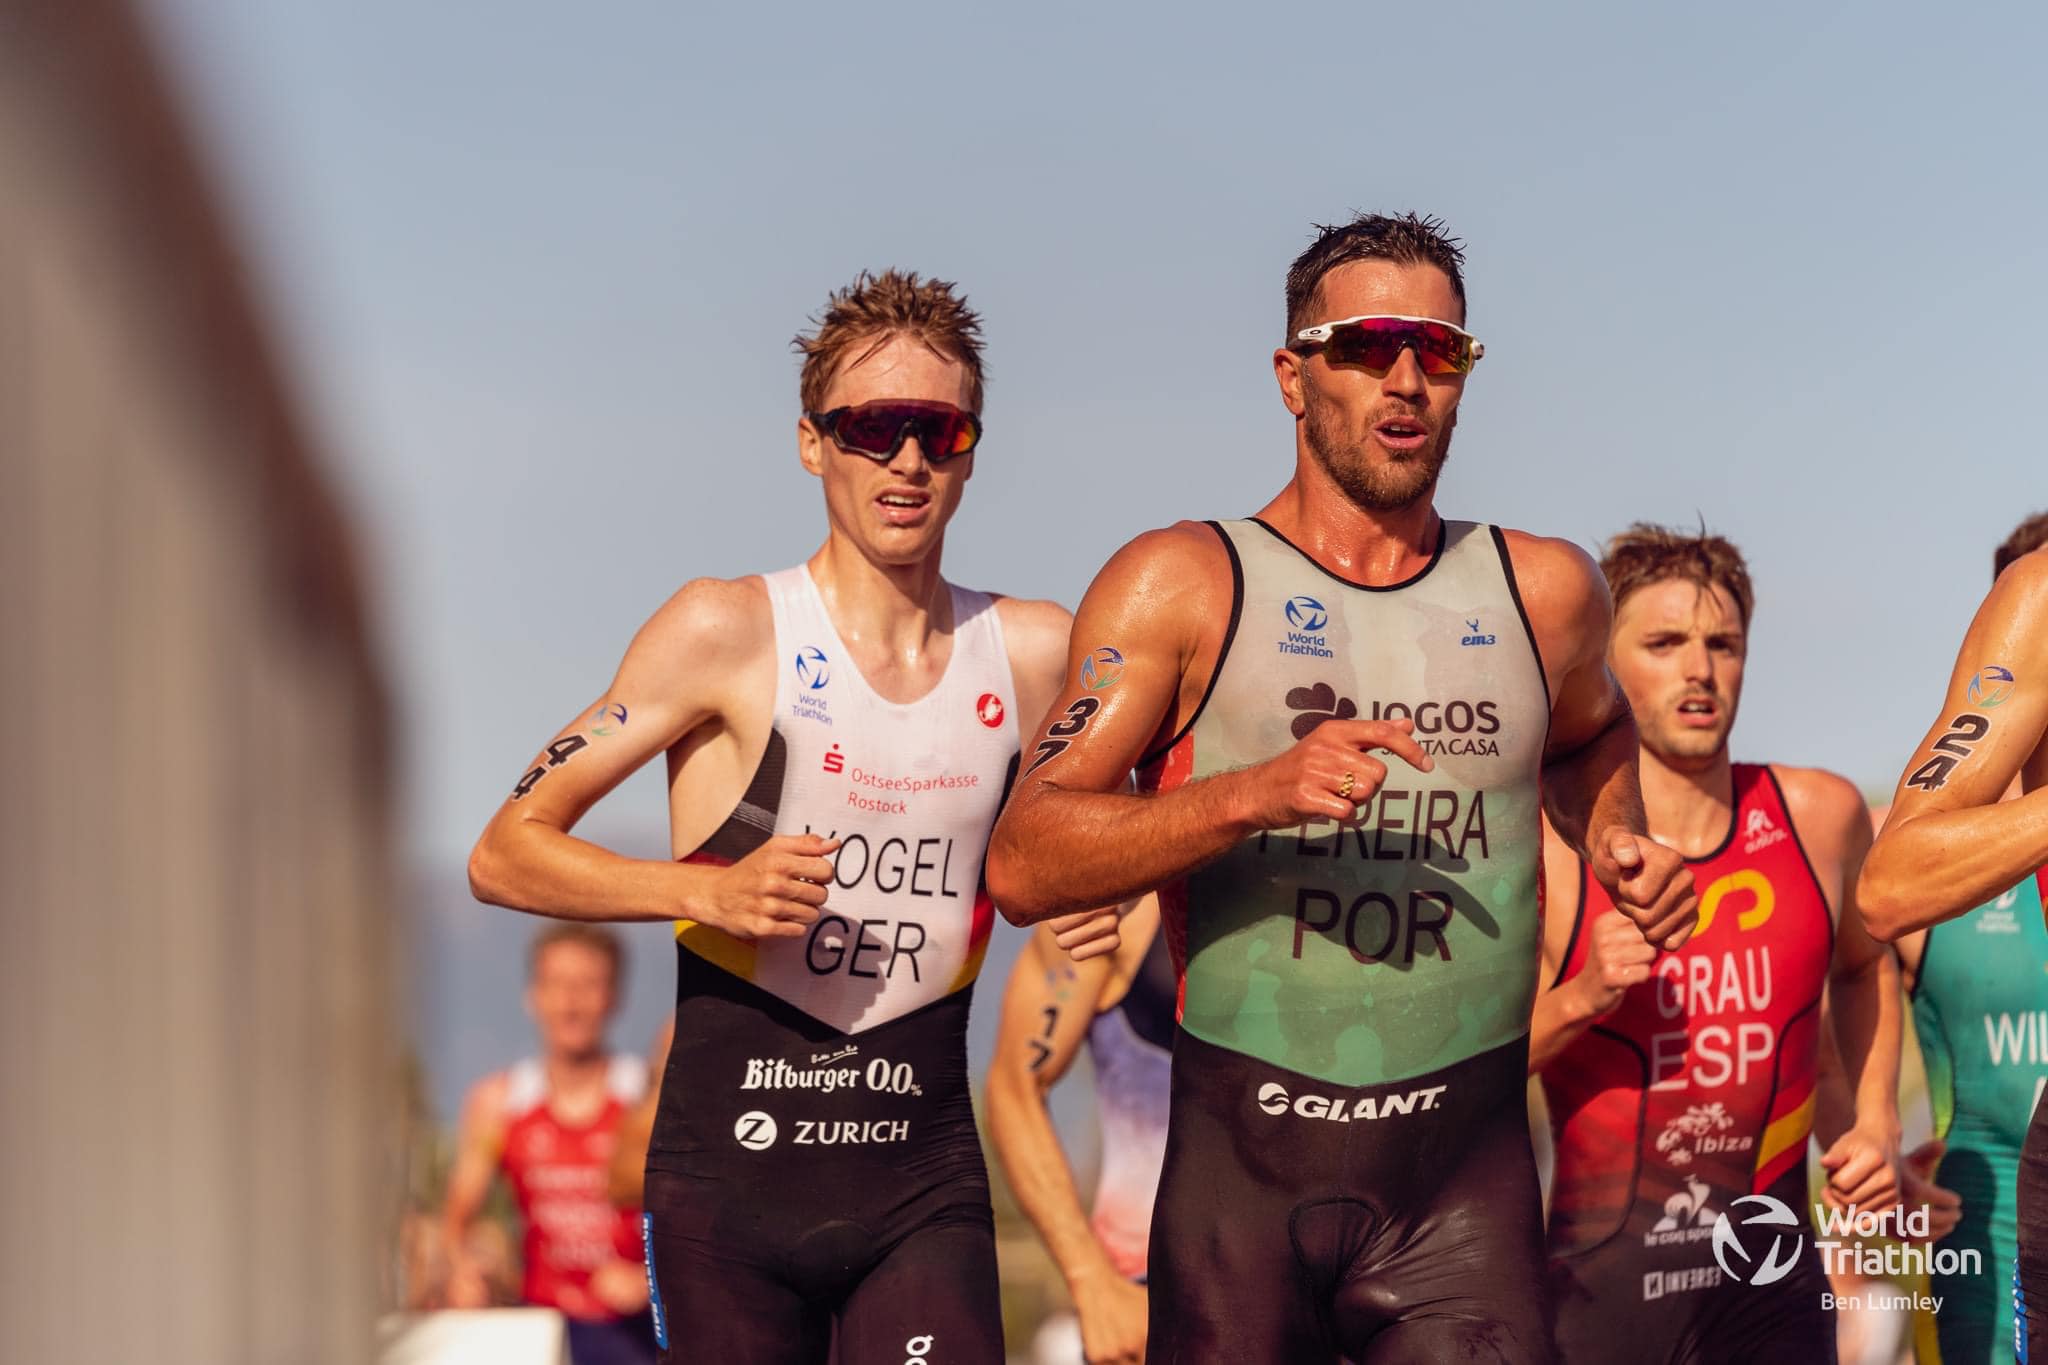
(1102,669)
(812,668)
(1732,1251)
(1305,613)
(1991,686)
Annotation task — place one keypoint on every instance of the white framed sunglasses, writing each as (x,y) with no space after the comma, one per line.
(1376,340)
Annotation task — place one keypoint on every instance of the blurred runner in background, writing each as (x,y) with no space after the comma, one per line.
(1122,1007)
(549,1124)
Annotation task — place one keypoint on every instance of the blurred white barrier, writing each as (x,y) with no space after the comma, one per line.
(492,1336)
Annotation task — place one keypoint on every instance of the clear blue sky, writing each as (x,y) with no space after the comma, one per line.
(538,266)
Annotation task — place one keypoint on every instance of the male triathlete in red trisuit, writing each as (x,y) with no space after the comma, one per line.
(1682,1083)
(549,1125)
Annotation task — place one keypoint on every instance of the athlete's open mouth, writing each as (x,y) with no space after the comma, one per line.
(1401,434)
(1699,711)
(903,506)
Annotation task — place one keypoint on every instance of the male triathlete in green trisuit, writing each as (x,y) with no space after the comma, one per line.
(1979,986)
(1348,1169)
(1953,841)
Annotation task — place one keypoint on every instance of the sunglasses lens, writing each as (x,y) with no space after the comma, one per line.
(871,429)
(1377,343)
(952,434)
(878,430)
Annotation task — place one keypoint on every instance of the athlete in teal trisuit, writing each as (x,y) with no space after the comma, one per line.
(1979,986)
(1979,975)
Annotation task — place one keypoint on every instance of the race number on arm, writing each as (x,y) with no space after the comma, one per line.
(1950,842)
(694,664)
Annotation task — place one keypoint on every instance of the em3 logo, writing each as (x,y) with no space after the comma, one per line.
(813,669)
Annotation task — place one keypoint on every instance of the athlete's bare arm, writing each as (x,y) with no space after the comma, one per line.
(694,672)
(1864,1003)
(1070,838)
(1591,792)
(1047,1008)
(1617,957)
(1951,843)
(479,1139)
(1036,635)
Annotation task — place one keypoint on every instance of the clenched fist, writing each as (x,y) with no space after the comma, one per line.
(773,892)
(1649,883)
(1617,957)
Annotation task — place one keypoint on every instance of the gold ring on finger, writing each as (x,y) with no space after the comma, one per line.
(1350,781)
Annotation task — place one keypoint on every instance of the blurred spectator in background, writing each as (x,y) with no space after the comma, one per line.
(550,1124)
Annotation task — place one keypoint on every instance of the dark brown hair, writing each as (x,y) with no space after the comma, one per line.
(1645,554)
(1409,239)
(595,937)
(861,318)
(2029,536)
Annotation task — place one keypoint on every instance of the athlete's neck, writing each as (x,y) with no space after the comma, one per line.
(1689,807)
(1374,546)
(576,1081)
(896,618)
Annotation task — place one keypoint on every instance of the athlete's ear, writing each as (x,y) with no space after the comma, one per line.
(1287,369)
(810,447)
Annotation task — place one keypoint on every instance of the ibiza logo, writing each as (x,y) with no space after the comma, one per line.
(813,669)
(1732,1250)
(1695,1130)
(1991,686)
(1317,704)
(1305,613)
(1759,832)
(989,710)
(1474,635)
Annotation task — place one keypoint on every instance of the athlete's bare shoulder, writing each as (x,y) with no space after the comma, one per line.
(1179,568)
(1035,636)
(483,1107)
(1035,631)
(1556,576)
(1822,804)
(714,618)
(1565,596)
(705,652)
(2020,596)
